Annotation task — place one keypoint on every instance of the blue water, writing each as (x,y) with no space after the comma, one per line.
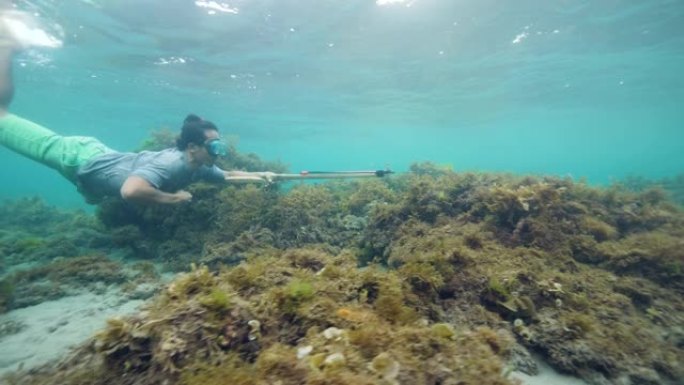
(589,89)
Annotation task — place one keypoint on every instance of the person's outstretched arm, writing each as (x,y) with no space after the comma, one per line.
(244,176)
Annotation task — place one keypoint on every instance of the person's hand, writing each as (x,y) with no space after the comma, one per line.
(267,176)
(182,196)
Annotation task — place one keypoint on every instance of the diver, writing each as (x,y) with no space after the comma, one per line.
(147,177)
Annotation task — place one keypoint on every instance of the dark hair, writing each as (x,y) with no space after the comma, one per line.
(193,131)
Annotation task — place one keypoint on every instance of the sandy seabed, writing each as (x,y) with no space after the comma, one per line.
(51,328)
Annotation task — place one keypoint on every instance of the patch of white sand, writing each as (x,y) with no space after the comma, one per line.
(547,376)
(52,327)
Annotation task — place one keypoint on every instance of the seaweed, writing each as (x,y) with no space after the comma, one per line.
(430,277)
(56,279)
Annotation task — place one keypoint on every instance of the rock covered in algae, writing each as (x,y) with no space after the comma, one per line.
(182,340)
(386,367)
(589,278)
(443,330)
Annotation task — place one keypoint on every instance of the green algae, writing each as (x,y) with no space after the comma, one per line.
(28,245)
(458,272)
(294,295)
(216,300)
(443,330)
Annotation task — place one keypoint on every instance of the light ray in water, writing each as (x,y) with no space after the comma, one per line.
(27,30)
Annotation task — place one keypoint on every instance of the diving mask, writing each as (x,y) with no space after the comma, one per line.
(215,147)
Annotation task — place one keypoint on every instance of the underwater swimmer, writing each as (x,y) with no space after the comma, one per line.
(147,177)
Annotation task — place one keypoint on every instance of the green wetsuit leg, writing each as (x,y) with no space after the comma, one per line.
(62,153)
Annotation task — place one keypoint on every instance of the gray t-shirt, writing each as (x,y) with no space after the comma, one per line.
(166,170)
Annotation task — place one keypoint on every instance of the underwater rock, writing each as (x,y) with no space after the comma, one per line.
(228,254)
(7,290)
(10,327)
(584,249)
(333,333)
(461,275)
(676,336)
(334,360)
(63,276)
(304,351)
(385,366)
(143,291)
(645,376)
(351,222)
(522,361)
(444,330)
